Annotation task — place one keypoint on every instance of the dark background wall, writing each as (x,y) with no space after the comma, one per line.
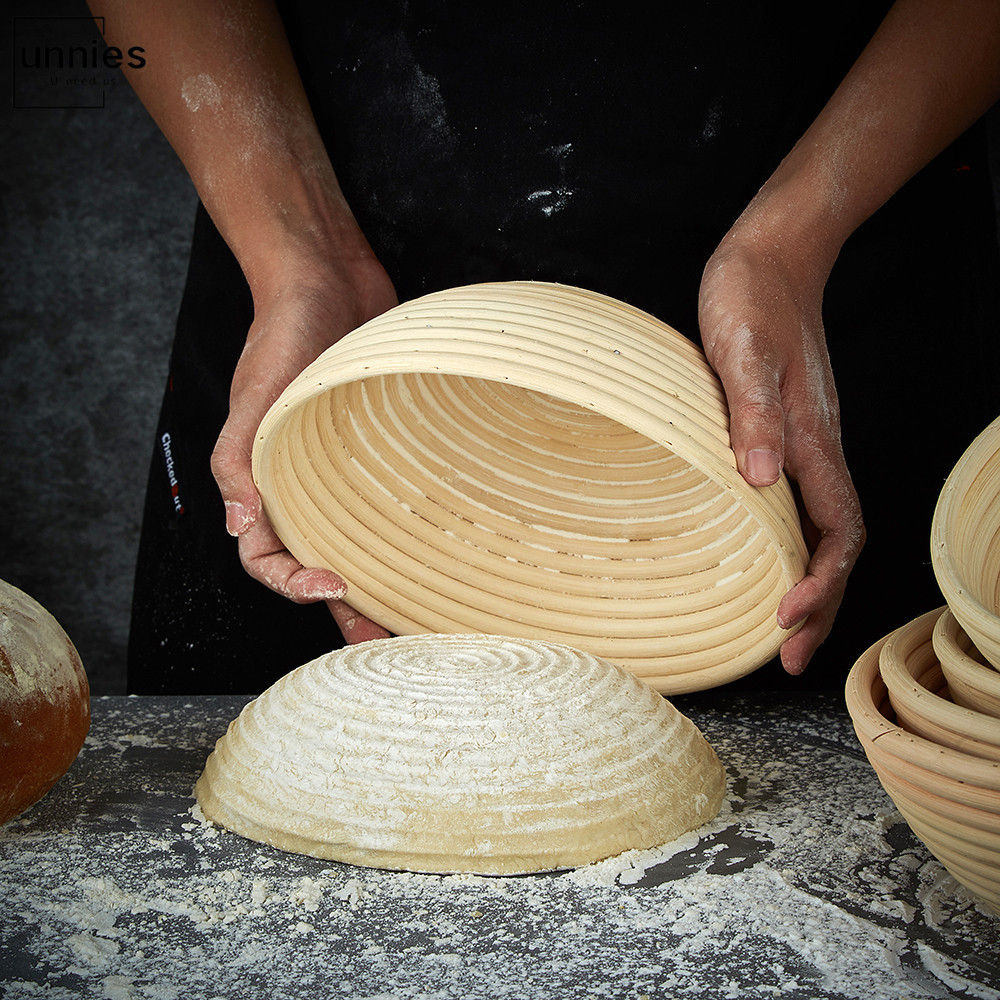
(96,221)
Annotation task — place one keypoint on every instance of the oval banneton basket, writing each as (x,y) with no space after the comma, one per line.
(533,459)
(951,800)
(965,542)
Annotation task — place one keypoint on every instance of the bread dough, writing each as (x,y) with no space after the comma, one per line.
(44,701)
(461,753)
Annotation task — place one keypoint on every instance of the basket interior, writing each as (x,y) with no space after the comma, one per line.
(453,503)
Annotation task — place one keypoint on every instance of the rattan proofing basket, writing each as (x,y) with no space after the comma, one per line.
(533,459)
(920,697)
(971,682)
(965,542)
(950,799)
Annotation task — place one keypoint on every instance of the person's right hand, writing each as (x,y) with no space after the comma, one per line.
(297,317)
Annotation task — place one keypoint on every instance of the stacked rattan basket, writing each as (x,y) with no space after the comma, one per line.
(926,699)
(534,460)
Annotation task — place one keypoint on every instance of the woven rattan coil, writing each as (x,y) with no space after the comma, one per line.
(920,696)
(533,459)
(965,542)
(950,799)
(972,683)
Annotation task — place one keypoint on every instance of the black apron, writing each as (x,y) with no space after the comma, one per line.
(584,143)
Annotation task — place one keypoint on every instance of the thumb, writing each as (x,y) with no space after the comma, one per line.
(231,467)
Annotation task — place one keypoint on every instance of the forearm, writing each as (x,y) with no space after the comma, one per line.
(931,70)
(221,83)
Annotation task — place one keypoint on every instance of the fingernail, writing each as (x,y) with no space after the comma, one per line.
(763,466)
(787,621)
(237,518)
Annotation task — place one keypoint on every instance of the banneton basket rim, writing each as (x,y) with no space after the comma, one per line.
(567,344)
(866,692)
(958,819)
(980,622)
(963,671)
(903,663)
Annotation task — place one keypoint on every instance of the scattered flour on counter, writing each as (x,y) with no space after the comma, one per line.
(139,740)
(353,892)
(946,970)
(807,886)
(92,950)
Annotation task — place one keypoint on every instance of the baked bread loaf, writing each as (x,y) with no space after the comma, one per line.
(44,701)
(461,753)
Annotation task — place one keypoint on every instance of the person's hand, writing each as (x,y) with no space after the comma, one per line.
(292,326)
(761,323)
(924,77)
(235,110)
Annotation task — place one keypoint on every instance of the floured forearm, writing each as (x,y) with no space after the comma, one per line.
(931,70)
(221,83)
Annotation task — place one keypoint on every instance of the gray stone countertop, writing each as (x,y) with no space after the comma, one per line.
(808,885)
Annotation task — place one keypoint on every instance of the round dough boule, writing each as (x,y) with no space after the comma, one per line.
(44,701)
(461,753)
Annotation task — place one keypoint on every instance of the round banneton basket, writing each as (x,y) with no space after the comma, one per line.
(971,682)
(919,694)
(965,542)
(950,799)
(537,460)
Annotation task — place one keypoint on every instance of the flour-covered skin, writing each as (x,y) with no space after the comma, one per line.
(760,306)
(226,92)
(290,329)
(769,350)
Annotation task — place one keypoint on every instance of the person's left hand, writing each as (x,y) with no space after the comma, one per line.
(762,329)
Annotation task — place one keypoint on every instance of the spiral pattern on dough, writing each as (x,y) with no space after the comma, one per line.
(461,753)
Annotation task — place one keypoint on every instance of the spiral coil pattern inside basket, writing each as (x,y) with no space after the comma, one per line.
(461,753)
(533,459)
(919,694)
